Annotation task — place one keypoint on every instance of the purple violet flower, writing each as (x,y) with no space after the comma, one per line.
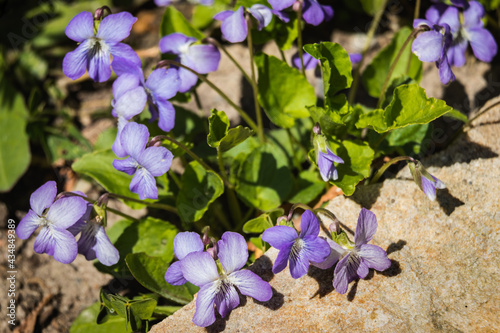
(145,163)
(432,46)
(359,258)
(234,26)
(184,244)
(130,93)
(54,218)
(313,12)
(427,182)
(94,242)
(93,53)
(217,279)
(468,29)
(325,158)
(297,250)
(202,58)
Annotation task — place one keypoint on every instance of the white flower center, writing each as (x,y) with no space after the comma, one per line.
(296,248)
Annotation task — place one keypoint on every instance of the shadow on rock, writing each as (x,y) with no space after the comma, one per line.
(447,201)
(395,246)
(263,267)
(366,196)
(324,277)
(276,301)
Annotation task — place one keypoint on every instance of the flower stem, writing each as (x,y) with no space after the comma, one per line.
(258,112)
(196,158)
(117,212)
(299,38)
(294,207)
(386,165)
(393,66)
(220,46)
(416,14)
(166,207)
(242,113)
(369,37)
(175,178)
(234,206)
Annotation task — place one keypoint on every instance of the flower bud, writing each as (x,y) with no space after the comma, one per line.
(427,182)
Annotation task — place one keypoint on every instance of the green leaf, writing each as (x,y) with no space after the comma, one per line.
(150,272)
(106,139)
(234,137)
(166,310)
(15,153)
(174,21)
(334,118)
(86,322)
(264,180)
(257,225)
(409,106)
(99,166)
(141,310)
(375,74)
(154,237)
(199,189)
(203,15)
(357,156)
(455,114)
(307,187)
(371,7)
(406,141)
(218,124)
(278,86)
(335,65)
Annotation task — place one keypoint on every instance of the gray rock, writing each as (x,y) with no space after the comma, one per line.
(445,256)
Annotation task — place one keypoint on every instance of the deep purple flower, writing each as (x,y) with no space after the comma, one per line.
(184,244)
(427,182)
(234,26)
(362,256)
(217,280)
(94,242)
(469,29)
(162,3)
(312,11)
(432,46)
(202,58)
(54,218)
(297,250)
(130,93)
(94,52)
(145,163)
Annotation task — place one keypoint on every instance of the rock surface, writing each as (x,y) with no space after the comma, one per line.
(445,256)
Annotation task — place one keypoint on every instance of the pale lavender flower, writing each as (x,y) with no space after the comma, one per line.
(313,12)
(144,163)
(427,182)
(95,50)
(325,157)
(433,45)
(54,218)
(234,26)
(297,250)
(94,242)
(184,244)
(362,256)
(131,91)
(217,280)
(202,58)
(469,29)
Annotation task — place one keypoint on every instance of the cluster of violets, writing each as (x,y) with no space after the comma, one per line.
(61,219)
(447,32)
(215,267)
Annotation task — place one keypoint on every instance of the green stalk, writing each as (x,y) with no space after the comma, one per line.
(393,65)
(157,205)
(175,178)
(416,14)
(242,113)
(299,38)
(195,157)
(258,112)
(220,46)
(369,37)
(117,212)
(234,206)
(386,165)
(294,207)
(109,209)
